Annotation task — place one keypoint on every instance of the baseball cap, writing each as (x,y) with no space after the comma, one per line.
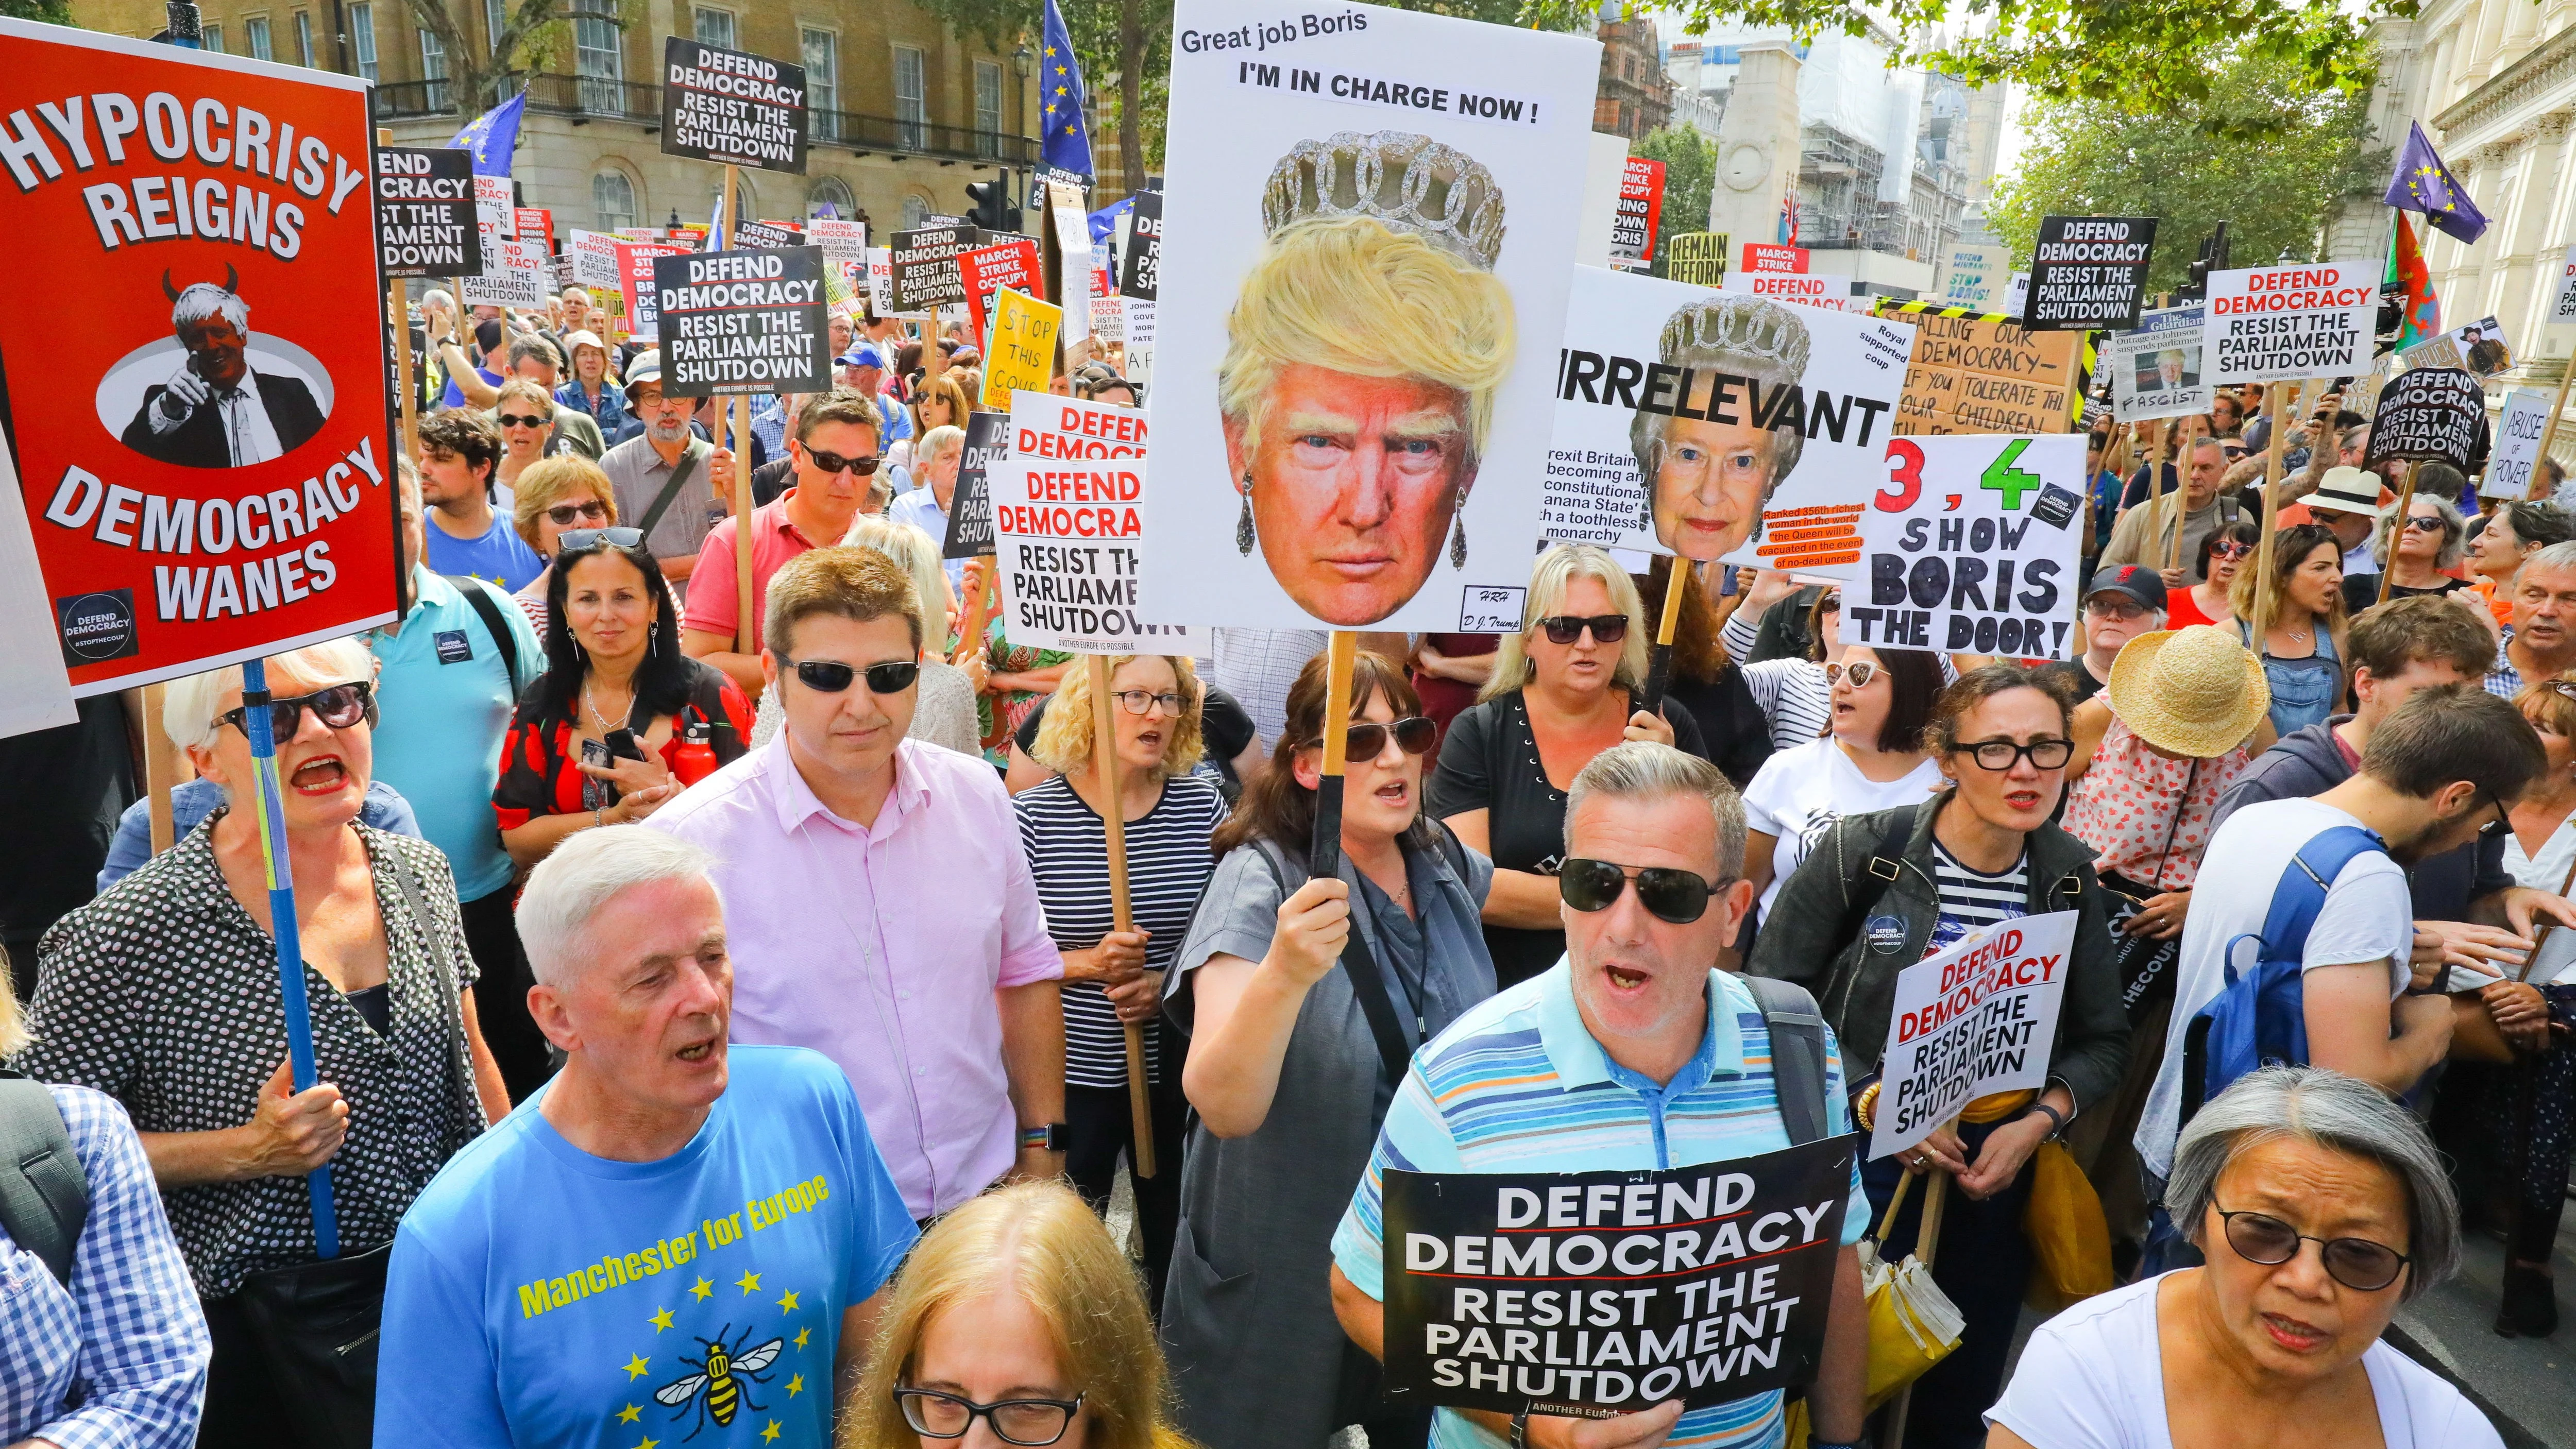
(2143,585)
(863,355)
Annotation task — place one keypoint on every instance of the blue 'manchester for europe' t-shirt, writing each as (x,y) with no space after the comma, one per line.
(540,1295)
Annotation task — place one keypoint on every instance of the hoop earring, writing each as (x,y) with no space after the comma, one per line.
(1244,538)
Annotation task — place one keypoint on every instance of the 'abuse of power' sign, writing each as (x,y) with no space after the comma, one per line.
(1970,548)
(730,106)
(1973,1020)
(742,322)
(200,437)
(2283,324)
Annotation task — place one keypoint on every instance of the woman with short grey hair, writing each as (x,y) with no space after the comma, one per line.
(2267,1342)
(2417,552)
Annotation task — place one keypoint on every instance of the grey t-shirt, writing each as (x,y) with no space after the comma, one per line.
(638,475)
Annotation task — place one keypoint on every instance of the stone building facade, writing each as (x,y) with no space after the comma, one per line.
(1635,96)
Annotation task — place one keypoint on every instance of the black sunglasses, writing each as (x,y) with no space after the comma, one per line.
(1678,896)
(834,462)
(826,676)
(574,540)
(513,420)
(2432,523)
(1566,628)
(562,514)
(339,707)
(1029,1422)
(2357,1263)
(1413,735)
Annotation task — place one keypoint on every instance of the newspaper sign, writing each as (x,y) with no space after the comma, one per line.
(1069,510)
(1022,357)
(2156,369)
(1641,211)
(1988,375)
(970,513)
(426,224)
(732,106)
(1595,1293)
(514,275)
(1976,1018)
(2088,272)
(2479,347)
(1143,262)
(2517,444)
(742,322)
(2285,324)
(1970,546)
(925,265)
(2429,415)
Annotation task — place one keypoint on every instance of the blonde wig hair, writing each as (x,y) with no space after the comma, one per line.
(1035,1239)
(1349,294)
(545,482)
(912,550)
(1555,571)
(1065,736)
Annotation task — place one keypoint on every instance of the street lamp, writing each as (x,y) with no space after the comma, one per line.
(1024,61)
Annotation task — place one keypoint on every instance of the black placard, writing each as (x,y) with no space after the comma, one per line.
(925,265)
(752,236)
(1144,260)
(970,507)
(1593,1292)
(2427,415)
(425,222)
(742,322)
(732,106)
(2088,272)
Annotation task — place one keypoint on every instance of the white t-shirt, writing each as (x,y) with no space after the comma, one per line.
(2548,871)
(2093,1378)
(1799,792)
(2367,916)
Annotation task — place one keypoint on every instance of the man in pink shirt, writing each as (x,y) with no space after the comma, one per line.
(879,908)
(835,449)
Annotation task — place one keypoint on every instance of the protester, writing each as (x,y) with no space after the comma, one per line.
(458,452)
(934,474)
(1872,757)
(590,390)
(2301,604)
(1793,692)
(656,1127)
(1288,1078)
(2266,1344)
(2416,553)
(2181,435)
(1099,382)
(669,482)
(525,417)
(539,363)
(1114,978)
(2513,533)
(944,712)
(2346,501)
(937,403)
(2119,605)
(2540,643)
(2223,551)
(2145,533)
(1651,1059)
(107,1344)
(1010,679)
(163,994)
(1446,670)
(1564,689)
(842,813)
(1018,1309)
(555,496)
(1233,757)
(1703,678)
(471,382)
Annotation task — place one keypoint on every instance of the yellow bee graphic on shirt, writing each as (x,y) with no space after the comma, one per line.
(717,1392)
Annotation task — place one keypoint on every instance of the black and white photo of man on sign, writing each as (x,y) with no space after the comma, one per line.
(216,410)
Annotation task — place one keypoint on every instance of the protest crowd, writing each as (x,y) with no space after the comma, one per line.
(718,895)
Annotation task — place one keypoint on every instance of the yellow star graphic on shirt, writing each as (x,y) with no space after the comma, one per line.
(788,1303)
(661,1319)
(635,1367)
(749,1282)
(801,1335)
(702,1289)
(629,1414)
(795,1386)
(769,1433)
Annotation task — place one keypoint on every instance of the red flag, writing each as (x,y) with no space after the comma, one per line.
(2421,312)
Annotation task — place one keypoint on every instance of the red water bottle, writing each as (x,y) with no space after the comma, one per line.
(695,759)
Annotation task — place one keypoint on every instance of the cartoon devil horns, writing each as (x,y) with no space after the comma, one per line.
(232,281)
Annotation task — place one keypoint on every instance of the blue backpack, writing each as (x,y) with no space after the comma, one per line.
(2260,1018)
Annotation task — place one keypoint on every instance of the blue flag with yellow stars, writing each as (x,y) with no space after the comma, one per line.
(493,136)
(2424,184)
(1068,136)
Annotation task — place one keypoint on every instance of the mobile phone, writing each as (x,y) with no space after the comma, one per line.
(596,793)
(594,753)
(622,745)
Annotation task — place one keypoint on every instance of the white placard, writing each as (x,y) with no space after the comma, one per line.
(1140,321)
(1810,289)
(881,282)
(2285,324)
(1070,517)
(1073,256)
(514,275)
(1970,1021)
(1969,546)
(841,240)
(2157,371)
(594,258)
(1974,276)
(496,209)
(2016,295)
(35,685)
(2517,444)
(1601,177)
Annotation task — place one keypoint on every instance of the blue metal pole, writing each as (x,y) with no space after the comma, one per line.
(281,916)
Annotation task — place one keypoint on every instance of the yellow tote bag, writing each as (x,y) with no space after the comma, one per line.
(2069,1237)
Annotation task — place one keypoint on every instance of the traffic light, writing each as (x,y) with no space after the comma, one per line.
(989,205)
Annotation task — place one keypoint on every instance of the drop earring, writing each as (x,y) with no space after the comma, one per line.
(1458,544)
(1243,535)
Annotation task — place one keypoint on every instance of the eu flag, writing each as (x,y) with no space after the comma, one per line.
(1067,144)
(493,136)
(2424,184)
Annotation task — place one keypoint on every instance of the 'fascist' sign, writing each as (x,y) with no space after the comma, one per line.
(730,106)
(2088,272)
(2428,415)
(1975,1019)
(425,223)
(742,322)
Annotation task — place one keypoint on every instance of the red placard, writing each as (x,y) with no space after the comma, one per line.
(986,270)
(536,224)
(635,279)
(1761,258)
(1641,211)
(204,449)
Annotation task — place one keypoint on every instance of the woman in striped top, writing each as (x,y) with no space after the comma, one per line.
(1114,978)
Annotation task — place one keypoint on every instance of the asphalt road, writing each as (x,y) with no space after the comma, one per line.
(2522,1383)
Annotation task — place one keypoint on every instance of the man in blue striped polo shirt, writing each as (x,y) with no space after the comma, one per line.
(1630,1053)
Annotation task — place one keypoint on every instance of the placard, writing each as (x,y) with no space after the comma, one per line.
(425,218)
(2286,324)
(1986,375)
(924,264)
(1012,263)
(635,262)
(172,256)
(2427,414)
(1593,1293)
(1969,547)
(1072,227)
(2088,272)
(2156,369)
(881,282)
(970,512)
(1070,507)
(495,209)
(742,322)
(1143,262)
(534,224)
(2478,348)
(1022,356)
(1764,257)
(594,258)
(513,275)
(732,106)
(1971,1020)
(762,236)
(1831,290)
(1641,212)
(2517,444)
(2565,309)
(1975,275)
(843,242)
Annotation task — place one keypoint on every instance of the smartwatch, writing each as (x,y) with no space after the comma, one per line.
(1051,1136)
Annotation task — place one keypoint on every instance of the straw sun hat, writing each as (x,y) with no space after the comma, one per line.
(2193,692)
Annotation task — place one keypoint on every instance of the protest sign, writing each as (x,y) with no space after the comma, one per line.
(693,236)
(880,287)
(1069,506)
(635,262)
(924,265)
(1022,356)
(1012,263)
(761,236)
(2427,414)
(35,684)
(2478,348)
(1985,374)
(2565,309)
(970,511)
(1436,295)
(1641,211)
(1761,257)
(496,210)
(1143,261)
(1832,290)
(425,219)
(843,242)
(594,258)
(1974,1019)
(1657,378)
(534,224)
(159,278)
(742,322)
(2285,324)
(2517,444)
(513,275)
(1109,317)
(731,106)
(1698,257)
(2088,272)
(2156,369)
(1969,544)
(1072,228)
(558,274)
(1974,274)
(1587,1293)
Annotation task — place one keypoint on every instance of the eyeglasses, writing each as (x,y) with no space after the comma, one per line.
(1146,701)
(574,540)
(1413,735)
(2230,550)
(562,514)
(2115,608)
(828,676)
(2429,523)
(1566,628)
(513,420)
(339,707)
(2357,1263)
(1678,896)
(1860,672)
(2002,755)
(835,463)
(1015,1421)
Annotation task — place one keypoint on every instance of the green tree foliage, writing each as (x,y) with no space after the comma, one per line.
(52,12)
(1690,166)
(2264,151)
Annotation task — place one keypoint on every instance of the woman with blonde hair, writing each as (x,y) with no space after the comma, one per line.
(1017,1309)
(944,706)
(556,494)
(2416,552)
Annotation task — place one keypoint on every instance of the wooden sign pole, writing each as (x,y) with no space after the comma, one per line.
(2549,429)
(979,608)
(1659,666)
(1113,824)
(1324,856)
(2388,566)
(2156,487)
(1927,1242)
(2276,398)
(746,628)
(398,319)
(160,761)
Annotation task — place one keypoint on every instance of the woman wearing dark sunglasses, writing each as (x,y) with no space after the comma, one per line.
(554,496)
(1563,690)
(2320,1206)
(2227,548)
(1880,892)
(2418,552)
(1289,1077)
(597,738)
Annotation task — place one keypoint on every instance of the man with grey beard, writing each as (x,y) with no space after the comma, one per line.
(647,466)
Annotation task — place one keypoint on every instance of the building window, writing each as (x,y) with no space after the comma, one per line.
(916,210)
(213,37)
(304,39)
(833,192)
(715,27)
(822,51)
(988,108)
(612,196)
(362,38)
(496,18)
(911,99)
(596,56)
(433,71)
(255,38)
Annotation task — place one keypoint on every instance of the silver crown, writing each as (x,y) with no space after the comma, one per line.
(1753,327)
(1411,183)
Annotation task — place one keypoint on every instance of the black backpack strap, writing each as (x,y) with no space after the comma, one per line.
(1366,982)
(1877,873)
(44,1193)
(489,611)
(1797,1056)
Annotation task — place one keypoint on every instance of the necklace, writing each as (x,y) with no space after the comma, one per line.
(593,705)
